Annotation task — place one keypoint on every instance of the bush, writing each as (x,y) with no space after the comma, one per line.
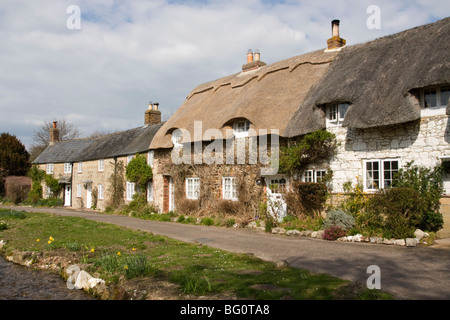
(207,221)
(3,225)
(400,209)
(137,266)
(333,233)
(338,218)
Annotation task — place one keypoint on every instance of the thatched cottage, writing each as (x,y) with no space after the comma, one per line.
(386,100)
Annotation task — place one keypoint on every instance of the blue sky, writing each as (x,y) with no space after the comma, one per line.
(128,53)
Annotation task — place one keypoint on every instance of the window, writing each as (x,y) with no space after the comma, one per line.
(101,165)
(192,188)
(434,98)
(229,191)
(67,168)
(241,128)
(380,174)
(130,190)
(129,158)
(48,192)
(100,191)
(150,158)
(314,175)
(335,113)
(79,186)
(49,167)
(80,166)
(150,191)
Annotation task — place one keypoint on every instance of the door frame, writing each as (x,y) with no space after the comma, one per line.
(68,198)
(276,204)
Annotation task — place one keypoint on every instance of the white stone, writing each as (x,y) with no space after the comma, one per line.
(419,234)
(293,233)
(411,242)
(82,281)
(2,243)
(93,282)
(357,238)
(399,242)
(278,230)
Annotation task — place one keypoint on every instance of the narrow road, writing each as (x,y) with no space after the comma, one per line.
(406,272)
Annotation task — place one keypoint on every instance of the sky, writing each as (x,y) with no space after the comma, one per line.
(98,63)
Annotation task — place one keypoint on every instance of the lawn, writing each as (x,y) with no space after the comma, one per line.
(121,255)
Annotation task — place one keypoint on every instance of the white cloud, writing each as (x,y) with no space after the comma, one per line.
(127,53)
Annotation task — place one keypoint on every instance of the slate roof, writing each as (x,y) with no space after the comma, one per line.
(122,143)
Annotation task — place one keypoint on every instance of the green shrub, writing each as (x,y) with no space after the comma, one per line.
(3,225)
(207,221)
(338,218)
(181,218)
(229,223)
(190,220)
(401,211)
(6,213)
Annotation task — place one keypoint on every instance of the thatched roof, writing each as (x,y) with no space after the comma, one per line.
(123,143)
(267,97)
(378,78)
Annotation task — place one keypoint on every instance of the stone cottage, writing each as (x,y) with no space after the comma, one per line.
(85,167)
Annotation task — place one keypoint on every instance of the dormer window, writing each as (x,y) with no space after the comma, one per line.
(241,128)
(335,113)
(434,100)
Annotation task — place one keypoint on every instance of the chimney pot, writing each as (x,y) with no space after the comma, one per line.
(152,115)
(54,134)
(335,28)
(54,124)
(257,55)
(249,56)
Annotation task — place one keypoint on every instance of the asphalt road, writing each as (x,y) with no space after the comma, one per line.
(421,273)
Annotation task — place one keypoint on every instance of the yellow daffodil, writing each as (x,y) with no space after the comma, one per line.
(37,240)
(51,239)
(92,250)
(49,242)
(125,268)
(118,253)
(134,249)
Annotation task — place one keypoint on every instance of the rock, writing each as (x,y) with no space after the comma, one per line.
(94,282)
(251,225)
(313,234)
(293,233)
(278,230)
(320,234)
(350,238)
(2,243)
(357,238)
(411,242)
(306,233)
(344,239)
(388,241)
(82,281)
(399,242)
(419,234)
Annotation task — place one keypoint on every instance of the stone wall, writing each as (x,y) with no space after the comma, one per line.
(422,141)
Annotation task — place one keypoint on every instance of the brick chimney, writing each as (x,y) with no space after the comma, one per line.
(152,115)
(335,42)
(54,134)
(253,61)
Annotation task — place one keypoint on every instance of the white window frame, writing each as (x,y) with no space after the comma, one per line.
(192,188)
(229,190)
(48,192)
(130,190)
(101,165)
(100,194)
(79,188)
(314,175)
(335,113)
(439,108)
(241,128)
(150,191)
(150,158)
(381,174)
(67,167)
(49,168)
(80,167)
(129,158)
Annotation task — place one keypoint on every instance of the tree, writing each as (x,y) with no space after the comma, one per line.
(14,158)
(41,136)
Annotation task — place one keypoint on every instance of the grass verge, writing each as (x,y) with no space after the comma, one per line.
(118,255)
